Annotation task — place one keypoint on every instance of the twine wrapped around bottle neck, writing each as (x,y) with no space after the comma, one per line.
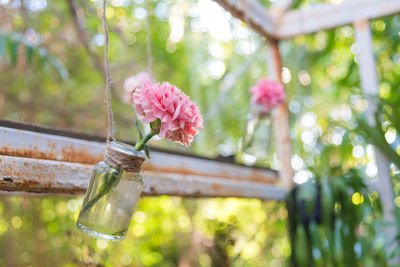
(120,155)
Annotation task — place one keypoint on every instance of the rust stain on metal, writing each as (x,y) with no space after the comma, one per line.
(254,176)
(51,145)
(220,190)
(27,153)
(11,171)
(217,187)
(68,153)
(198,194)
(40,188)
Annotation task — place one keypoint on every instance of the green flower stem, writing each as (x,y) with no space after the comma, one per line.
(140,144)
(110,180)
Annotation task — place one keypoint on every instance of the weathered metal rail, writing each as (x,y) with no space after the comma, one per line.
(41,160)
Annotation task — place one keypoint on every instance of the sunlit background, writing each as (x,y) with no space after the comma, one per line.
(212,57)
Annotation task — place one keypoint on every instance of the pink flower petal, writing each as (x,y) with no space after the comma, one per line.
(179,116)
(268,94)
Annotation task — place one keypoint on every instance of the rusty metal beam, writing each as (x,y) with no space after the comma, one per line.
(28,144)
(36,161)
(50,176)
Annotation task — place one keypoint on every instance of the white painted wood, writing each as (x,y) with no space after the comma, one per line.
(278,23)
(370,86)
(281,123)
(253,13)
(280,7)
(22,143)
(327,16)
(49,176)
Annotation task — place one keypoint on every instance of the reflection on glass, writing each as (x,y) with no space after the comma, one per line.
(257,140)
(109,202)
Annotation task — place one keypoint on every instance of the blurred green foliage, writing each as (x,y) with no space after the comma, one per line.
(214,59)
(331,223)
(165,231)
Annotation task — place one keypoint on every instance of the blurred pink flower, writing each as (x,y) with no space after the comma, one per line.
(133,82)
(267,94)
(179,116)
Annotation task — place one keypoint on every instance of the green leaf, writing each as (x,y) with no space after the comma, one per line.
(376,136)
(139,131)
(155,126)
(13,51)
(3,45)
(147,151)
(302,245)
(29,53)
(59,67)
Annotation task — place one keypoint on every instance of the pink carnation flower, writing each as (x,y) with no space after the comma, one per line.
(179,116)
(133,82)
(267,94)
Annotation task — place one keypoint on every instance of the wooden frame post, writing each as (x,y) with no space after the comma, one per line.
(370,86)
(281,121)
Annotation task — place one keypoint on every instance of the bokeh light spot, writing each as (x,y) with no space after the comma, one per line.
(357,198)
(16,222)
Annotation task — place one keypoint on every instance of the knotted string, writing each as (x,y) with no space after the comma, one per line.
(114,156)
(110,119)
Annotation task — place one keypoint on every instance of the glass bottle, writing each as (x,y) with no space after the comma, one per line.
(111,197)
(256,143)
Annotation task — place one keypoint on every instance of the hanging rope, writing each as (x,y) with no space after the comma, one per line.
(110,118)
(148,40)
(117,154)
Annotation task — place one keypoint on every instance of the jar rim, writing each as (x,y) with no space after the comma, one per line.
(126,149)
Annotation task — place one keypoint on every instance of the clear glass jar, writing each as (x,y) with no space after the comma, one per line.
(109,201)
(256,143)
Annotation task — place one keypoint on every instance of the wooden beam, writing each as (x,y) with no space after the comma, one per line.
(253,13)
(281,122)
(327,16)
(49,176)
(278,23)
(280,7)
(370,86)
